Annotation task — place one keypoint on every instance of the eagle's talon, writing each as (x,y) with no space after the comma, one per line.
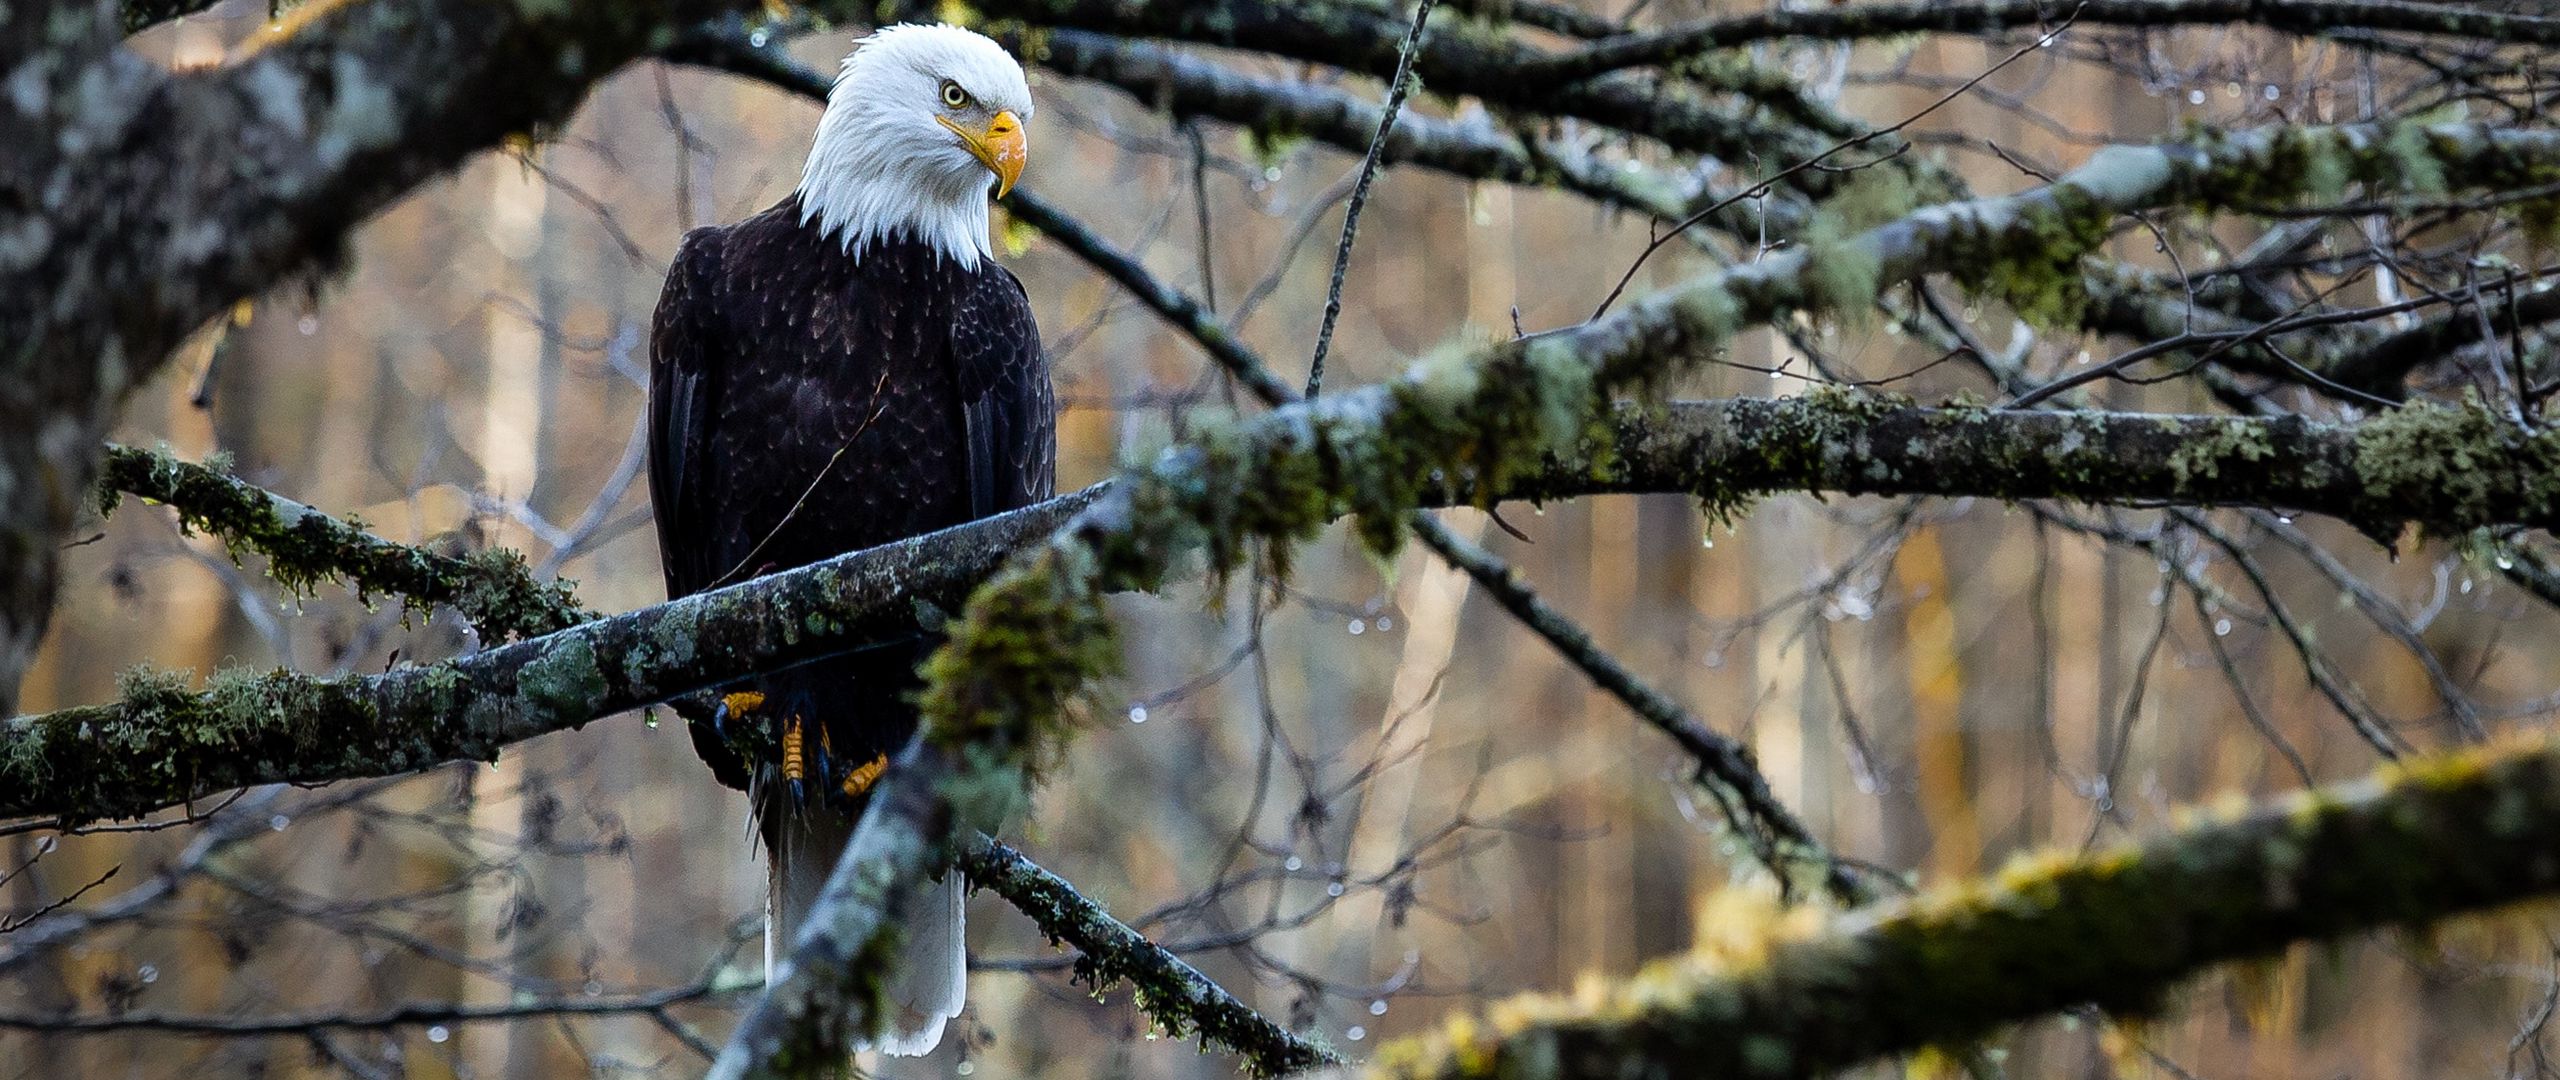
(860,781)
(740,703)
(794,767)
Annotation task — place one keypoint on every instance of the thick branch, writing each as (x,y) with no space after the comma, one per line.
(2117,929)
(492,590)
(162,745)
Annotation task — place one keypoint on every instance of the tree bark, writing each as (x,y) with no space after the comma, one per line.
(136,202)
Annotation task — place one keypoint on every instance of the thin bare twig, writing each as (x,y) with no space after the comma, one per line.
(1397,87)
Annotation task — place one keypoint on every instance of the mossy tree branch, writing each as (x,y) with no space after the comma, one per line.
(1177,995)
(492,589)
(162,744)
(2409,846)
(2448,469)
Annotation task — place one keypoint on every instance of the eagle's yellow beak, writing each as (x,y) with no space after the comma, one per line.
(1001,147)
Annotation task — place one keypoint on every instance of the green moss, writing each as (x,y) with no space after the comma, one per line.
(565,680)
(1870,198)
(1842,277)
(2204,447)
(2032,262)
(1706,312)
(305,549)
(2411,160)
(2456,468)
(1029,638)
(989,790)
(2280,170)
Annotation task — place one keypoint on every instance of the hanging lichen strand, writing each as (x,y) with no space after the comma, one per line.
(492,590)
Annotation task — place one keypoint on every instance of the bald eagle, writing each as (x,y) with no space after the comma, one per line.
(846,369)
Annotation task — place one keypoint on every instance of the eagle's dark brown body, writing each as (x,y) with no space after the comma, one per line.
(803,405)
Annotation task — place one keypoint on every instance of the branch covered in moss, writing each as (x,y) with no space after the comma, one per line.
(162,744)
(2410,846)
(304,547)
(1177,995)
(2446,469)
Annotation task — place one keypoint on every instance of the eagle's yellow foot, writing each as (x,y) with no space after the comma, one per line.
(732,707)
(860,781)
(793,766)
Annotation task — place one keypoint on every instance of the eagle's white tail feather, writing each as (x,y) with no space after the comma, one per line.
(932,976)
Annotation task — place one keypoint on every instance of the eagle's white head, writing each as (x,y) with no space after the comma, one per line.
(919,119)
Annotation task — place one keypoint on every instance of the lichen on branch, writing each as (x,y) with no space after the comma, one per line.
(491,589)
(1179,998)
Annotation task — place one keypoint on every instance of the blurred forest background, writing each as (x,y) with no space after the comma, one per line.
(1361,801)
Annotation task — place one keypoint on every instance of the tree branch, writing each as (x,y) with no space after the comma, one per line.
(1676,43)
(1724,767)
(2118,929)
(1177,995)
(414,1014)
(492,589)
(2451,470)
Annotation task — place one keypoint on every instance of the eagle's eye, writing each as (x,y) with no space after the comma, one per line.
(953,96)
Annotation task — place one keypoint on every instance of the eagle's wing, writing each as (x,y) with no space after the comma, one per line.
(684,344)
(1005,396)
